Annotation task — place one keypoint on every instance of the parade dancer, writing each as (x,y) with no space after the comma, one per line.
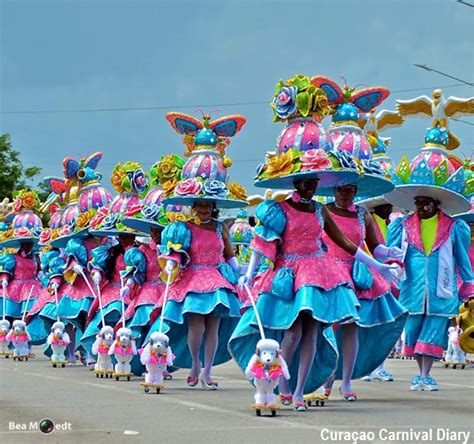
(203,306)
(434,244)
(304,293)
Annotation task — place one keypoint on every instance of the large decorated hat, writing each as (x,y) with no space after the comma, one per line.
(84,195)
(432,173)
(346,134)
(26,225)
(241,232)
(152,213)
(303,149)
(204,176)
(131,183)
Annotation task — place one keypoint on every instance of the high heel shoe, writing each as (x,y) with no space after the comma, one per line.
(286,399)
(348,396)
(209,385)
(192,381)
(300,406)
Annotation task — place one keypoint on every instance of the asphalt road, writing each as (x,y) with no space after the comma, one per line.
(86,409)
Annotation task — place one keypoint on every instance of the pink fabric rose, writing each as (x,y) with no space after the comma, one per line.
(17,205)
(22,232)
(101,214)
(65,230)
(45,236)
(189,187)
(133,209)
(315,160)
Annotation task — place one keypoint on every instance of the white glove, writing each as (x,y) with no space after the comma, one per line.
(124,291)
(54,285)
(383,269)
(169,267)
(77,268)
(4,284)
(243,280)
(234,263)
(253,262)
(382,251)
(96,278)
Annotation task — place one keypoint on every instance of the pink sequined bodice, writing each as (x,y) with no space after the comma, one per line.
(302,235)
(153,270)
(25,268)
(352,229)
(207,248)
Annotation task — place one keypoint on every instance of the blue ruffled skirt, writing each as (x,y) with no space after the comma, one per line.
(39,329)
(380,325)
(74,311)
(14,309)
(221,303)
(278,315)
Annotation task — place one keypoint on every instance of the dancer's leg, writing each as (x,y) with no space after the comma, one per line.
(291,340)
(350,349)
(210,345)
(196,329)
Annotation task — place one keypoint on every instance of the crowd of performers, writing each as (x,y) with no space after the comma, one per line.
(347,253)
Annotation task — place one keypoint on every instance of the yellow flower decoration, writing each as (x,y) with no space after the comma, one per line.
(176,217)
(118,174)
(5,235)
(281,165)
(237,191)
(84,218)
(55,233)
(168,187)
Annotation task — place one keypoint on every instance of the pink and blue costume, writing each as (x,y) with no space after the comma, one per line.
(304,279)
(204,285)
(381,316)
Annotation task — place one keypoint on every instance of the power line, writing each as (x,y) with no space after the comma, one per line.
(168,107)
(427,68)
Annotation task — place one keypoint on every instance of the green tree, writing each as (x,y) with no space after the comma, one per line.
(13,176)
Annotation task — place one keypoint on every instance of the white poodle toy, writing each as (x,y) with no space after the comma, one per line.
(156,356)
(19,337)
(101,348)
(265,368)
(454,354)
(123,348)
(4,328)
(58,340)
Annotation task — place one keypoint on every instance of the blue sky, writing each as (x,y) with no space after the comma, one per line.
(63,55)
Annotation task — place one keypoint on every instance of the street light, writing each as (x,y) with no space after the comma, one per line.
(427,68)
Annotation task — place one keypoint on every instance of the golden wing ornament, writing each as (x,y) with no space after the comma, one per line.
(389,119)
(456,106)
(418,107)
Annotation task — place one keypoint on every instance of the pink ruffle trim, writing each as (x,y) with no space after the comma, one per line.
(265,248)
(466,291)
(422,348)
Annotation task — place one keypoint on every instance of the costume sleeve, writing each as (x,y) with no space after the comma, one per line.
(77,251)
(135,266)
(461,242)
(271,223)
(394,233)
(52,264)
(7,264)
(99,259)
(175,241)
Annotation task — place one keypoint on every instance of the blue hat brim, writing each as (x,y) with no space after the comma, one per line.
(403,196)
(368,185)
(327,180)
(16,242)
(189,201)
(141,225)
(111,233)
(61,242)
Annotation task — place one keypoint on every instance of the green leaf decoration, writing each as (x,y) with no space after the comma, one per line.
(126,183)
(403,169)
(440,173)
(279,86)
(469,185)
(301,82)
(302,103)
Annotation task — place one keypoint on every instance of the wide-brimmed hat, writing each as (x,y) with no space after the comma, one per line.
(204,176)
(347,135)
(26,225)
(431,174)
(303,147)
